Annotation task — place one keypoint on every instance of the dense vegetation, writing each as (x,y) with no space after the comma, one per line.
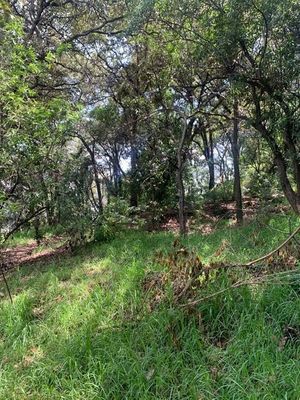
(151,102)
(149,170)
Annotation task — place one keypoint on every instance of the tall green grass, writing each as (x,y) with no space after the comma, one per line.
(79,327)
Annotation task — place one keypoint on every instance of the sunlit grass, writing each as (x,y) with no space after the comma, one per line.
(72,331)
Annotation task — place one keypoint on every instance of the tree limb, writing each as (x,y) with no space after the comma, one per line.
(22,223)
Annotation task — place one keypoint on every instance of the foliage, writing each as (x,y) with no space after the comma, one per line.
(32,133)
(116,218)
(220,193)
(138,101)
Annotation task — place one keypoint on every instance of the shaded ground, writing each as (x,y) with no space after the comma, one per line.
(212,213)
(32,252)
(204,222)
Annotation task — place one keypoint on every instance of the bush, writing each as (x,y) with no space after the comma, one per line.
(117,216)
(220,193)
(263,185)
(103,233)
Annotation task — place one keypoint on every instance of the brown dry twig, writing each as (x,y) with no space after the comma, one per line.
(256,261)
(247,282)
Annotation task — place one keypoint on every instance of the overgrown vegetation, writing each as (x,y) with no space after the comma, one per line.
(149,199)
(148,105)
(82,326)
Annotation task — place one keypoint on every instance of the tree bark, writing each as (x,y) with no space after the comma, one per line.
(180,184)
(91,153)
(288,191)
(211,162)
(182,149)
(292,150)
(281,165)
(133,183)
(48,204)
(98,185)
(208,152)
(236,166)
(117,174)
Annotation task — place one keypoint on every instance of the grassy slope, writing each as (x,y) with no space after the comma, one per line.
(65,338)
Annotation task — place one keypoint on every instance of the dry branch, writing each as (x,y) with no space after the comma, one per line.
(247,282)
(250,263)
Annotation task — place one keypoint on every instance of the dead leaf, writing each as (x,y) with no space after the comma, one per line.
(150,374)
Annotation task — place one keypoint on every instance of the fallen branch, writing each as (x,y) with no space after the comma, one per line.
(21,223)
(249,264)
(257,260)
(247,282)
(195,302)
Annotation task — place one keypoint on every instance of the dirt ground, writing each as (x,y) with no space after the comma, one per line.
(31,252)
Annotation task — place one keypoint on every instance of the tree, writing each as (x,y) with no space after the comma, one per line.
(257,47)
(32,133)
(236,164)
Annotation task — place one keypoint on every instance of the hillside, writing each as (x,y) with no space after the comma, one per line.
(82,326)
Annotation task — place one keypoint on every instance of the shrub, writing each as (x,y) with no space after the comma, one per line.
(220,193)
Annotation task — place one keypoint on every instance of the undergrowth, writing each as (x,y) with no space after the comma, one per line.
(80,326)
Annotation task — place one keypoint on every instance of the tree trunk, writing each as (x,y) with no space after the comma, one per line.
(181,156)
(37,232)
(292,150)
(133,183)
(208,152)
(288,191)
(236,166)
(180,191)
(281,165)
(211,162)
(117,175)
(98,185)
(48,202)
(183,146)
(91,152)
(279,157)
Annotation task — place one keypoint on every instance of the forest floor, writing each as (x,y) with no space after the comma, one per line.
(30,252)
(104,323)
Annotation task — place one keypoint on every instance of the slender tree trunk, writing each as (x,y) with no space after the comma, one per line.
(292,150)
(91,152)
(134,160)
(208,152)
(281,165)
(48,202)
(183,146)
(98,185)
(117,175)
(133,183)
(211,162)
(37,232)
(96,178)
(181,193)
(179,181)
(236,166)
